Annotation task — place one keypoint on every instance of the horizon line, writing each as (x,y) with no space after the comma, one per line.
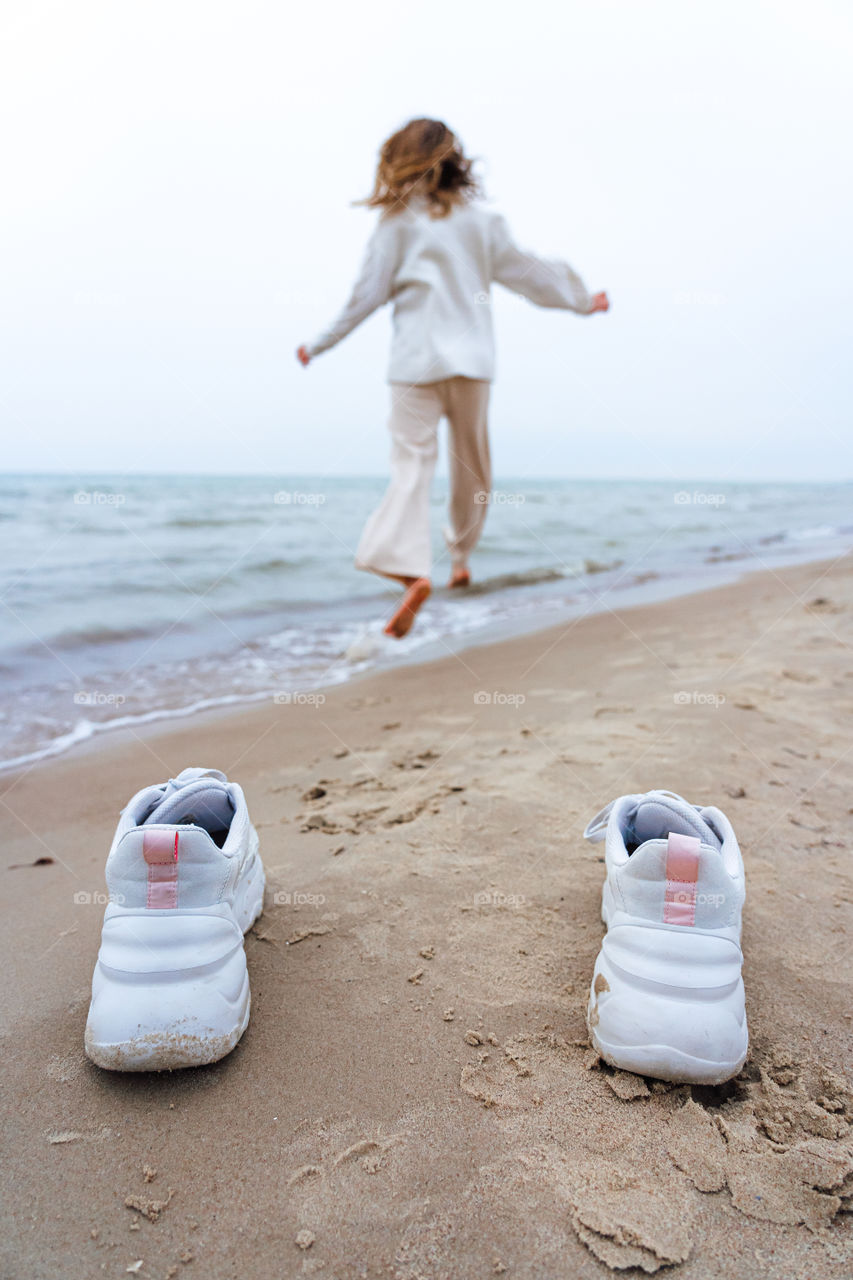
(383,476)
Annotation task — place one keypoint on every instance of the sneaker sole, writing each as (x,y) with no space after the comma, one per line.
(665,1062)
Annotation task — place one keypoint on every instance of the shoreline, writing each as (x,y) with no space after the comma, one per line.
(646,594)
(415,1095)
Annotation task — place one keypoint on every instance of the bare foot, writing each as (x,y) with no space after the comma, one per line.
(460,578)
(401,623)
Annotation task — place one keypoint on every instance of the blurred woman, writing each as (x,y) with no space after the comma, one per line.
(435,252)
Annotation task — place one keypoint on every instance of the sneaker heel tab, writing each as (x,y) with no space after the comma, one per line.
(596,829)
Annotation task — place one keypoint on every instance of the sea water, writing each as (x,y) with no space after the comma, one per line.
(127,599)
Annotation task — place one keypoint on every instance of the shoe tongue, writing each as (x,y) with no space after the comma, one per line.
(197,796)
(657,817)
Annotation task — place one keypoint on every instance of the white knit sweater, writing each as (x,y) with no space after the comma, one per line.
(438,273)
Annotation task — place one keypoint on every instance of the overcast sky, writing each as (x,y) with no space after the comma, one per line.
(176,220)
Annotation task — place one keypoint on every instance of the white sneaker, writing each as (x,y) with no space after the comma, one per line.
(667,994)
(185,882)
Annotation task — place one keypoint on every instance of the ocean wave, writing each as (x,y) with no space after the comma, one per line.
(601,566)
(85,729)
(723,557)
(276,565)
(99,635)
(543,574)
(208,522)
(818,531)
(521,578)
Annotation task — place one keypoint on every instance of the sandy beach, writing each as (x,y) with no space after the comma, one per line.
(415,1096)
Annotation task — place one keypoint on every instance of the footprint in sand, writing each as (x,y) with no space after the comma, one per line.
(697,1147)
(502,1078)
(334,1152)
(784,1155)
(623,1219)
(631,1226)
(793,1186)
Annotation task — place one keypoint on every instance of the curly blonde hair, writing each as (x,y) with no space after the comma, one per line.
(423,159)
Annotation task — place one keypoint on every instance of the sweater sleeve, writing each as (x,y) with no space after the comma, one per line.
(547,282)
(372,289)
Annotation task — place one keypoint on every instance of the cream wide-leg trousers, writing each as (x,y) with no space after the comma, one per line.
(396,538)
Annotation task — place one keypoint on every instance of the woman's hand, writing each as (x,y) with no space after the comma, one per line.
(303,357)
(600,302)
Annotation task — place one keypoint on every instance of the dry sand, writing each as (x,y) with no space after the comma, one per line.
(415,1096)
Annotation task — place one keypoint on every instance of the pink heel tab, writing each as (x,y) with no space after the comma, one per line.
(682,872)
(160,851)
